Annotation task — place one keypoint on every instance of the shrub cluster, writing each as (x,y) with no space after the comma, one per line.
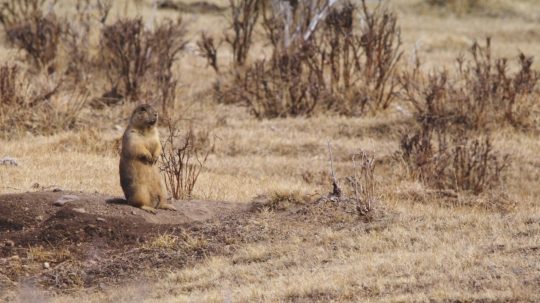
(28,106)
(319,59)
(456,113)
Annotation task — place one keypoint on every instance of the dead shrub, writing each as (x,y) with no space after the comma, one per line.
(359,191)
(10,86)
(451,148)
(134,55)
(16,11)
(244,15)
(35,106)
(280,201)
(89,17)
(38,36)
(167,41)
(480,94)
(125,52)
(363,182)
(208,50)
(452,161)
(319,61)
(183,159)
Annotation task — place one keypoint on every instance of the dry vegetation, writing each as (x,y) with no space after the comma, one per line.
(386,152)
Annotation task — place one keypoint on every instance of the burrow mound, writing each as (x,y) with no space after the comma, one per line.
(94,240)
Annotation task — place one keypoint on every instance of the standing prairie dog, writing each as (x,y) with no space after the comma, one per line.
(139,174)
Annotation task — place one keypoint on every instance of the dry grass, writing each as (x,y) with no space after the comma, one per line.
(428,247)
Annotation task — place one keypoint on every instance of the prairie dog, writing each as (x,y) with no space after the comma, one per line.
(139,174)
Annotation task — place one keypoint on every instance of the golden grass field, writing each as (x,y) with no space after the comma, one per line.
(430,249)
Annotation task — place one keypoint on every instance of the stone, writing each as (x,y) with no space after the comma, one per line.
(65,199)
(8,161)
(46,265)
(80,210)
(100,219)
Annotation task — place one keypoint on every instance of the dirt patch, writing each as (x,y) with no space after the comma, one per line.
(95,240)
(35,231)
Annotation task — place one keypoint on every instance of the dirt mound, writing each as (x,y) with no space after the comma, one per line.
(41,230)
(89,240)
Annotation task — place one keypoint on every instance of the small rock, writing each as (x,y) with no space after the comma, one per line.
(80,210)
(133,212)
(39,218)
(46,265)
(25,208)
(57,189)
(65,199)
(8,161)
(100,219)
(10,243)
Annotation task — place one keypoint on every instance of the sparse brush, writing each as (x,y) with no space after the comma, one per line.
(134,55)
(167,40)
(89,18)
(364,182)
(280,200)
(103,8)
(320,61)
(163,241)
(359,190)
(35,107)
(480,95)
(40,254)
(17,11)
(244,15)
(453,161)
(125,52)
(446,151)
(10,86)
(208,50)
(183,160)
(38,36)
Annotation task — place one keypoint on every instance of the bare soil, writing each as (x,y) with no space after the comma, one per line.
(81,240)
(98,241)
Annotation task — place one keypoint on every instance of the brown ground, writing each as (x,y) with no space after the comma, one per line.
(98,241)
(84,234)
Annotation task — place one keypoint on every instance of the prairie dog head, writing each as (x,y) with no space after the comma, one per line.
(143,117)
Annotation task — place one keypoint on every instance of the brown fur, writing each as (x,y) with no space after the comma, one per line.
(139,174)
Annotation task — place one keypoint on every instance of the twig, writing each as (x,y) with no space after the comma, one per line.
(336,190)
(317,18)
